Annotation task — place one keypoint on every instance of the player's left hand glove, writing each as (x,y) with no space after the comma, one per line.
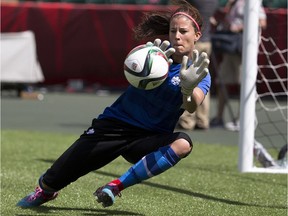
(163,46)
(191,76)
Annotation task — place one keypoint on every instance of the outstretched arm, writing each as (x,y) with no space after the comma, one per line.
(190,103)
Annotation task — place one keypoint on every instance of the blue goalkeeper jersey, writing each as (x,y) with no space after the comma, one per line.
(158,109)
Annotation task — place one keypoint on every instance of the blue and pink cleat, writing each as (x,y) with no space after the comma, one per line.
(37,198)
(106,194)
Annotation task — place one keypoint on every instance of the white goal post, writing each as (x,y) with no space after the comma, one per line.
(248,91)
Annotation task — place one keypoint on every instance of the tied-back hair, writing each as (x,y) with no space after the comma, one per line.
(156,23)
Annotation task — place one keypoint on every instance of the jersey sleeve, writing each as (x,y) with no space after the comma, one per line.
(205,84)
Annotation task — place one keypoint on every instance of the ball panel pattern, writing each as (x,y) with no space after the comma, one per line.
(146,67)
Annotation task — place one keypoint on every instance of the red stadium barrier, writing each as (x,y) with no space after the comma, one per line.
(90,42)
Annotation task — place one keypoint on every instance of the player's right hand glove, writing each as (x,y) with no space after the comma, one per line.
(163,46)
(191,76)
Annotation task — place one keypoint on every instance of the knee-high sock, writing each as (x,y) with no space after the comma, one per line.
(149,166)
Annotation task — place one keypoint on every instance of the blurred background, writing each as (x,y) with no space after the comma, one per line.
(80,45)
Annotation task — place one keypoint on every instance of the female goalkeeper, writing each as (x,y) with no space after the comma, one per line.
(139,125)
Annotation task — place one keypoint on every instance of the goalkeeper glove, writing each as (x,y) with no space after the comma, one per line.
(191,76)
(163,47)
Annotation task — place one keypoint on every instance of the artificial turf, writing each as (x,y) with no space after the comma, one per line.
(207,182)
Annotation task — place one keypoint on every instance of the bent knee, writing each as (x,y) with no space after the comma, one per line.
(182,147)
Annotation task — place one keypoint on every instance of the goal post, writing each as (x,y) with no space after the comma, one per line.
(248,88)
(248,95)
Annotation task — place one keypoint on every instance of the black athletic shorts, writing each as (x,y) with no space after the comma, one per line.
(100,144)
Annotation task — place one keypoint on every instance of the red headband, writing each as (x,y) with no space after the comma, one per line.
(187,15)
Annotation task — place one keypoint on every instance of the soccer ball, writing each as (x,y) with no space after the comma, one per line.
(146,67)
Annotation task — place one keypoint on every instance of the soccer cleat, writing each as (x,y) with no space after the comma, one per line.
(216,123)
(233,126)
(36,198)
(106,194)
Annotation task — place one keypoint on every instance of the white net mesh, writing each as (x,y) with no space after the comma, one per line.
(271,106)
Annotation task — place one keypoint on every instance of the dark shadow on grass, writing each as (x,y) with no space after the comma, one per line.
(196,194)
(186,192)
(82,211)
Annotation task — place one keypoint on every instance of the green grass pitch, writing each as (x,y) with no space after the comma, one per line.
(207,182)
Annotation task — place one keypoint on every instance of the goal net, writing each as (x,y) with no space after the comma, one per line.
(271,107)
(263,120)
